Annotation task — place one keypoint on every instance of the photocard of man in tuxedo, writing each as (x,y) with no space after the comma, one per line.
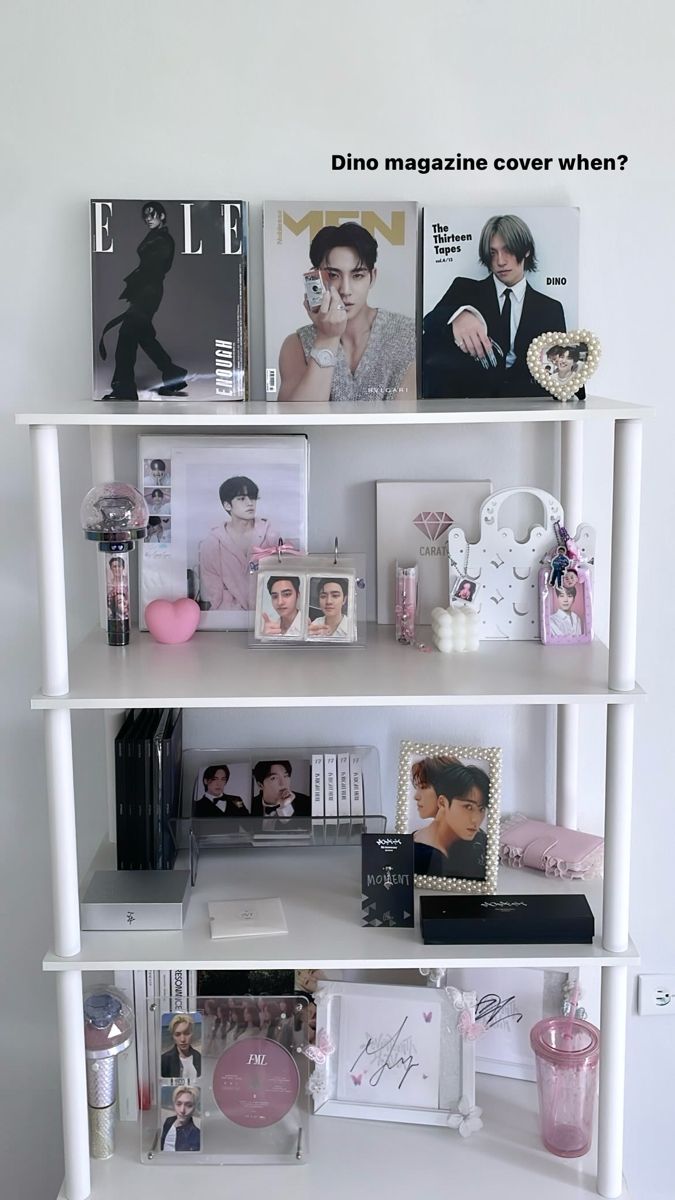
(478,325)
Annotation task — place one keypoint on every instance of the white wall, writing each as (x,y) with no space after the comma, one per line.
(216,98)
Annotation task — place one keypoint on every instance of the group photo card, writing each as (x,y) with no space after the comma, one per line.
(449,799)
(169,299)
(493,280)
(232,500)
(344,273)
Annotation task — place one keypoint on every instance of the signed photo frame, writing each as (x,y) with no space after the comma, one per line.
(449,798)
(394,1054)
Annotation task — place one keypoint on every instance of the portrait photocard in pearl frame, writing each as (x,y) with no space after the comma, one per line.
(449,799)
(564,362)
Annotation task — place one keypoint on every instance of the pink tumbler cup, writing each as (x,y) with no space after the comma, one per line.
(567,1052)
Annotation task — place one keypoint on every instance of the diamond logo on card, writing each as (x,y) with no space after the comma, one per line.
(433,524)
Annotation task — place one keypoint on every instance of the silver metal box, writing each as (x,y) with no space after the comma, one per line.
(136,900)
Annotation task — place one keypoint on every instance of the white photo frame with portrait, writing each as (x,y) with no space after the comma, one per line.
(457,842)
(202,559)
(393,1054)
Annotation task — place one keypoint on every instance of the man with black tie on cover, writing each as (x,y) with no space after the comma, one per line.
(475,340)
(215,802)
(276,796)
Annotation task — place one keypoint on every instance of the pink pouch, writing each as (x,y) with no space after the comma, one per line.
(565,853)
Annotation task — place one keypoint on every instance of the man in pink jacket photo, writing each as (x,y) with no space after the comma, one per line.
(225,553)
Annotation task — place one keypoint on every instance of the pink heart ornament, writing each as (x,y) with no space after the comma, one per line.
(172,621)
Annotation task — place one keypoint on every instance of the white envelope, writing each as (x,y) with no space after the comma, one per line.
(246,918)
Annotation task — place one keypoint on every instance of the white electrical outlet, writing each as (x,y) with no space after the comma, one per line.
(656,995)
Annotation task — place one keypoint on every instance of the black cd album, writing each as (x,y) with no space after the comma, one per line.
(387,880)
(169,299)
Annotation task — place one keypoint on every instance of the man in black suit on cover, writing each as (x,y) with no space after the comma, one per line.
(215,802)
(475,340)
(143,291)
(277,797)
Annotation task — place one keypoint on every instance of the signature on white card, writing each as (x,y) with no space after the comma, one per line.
(384,1053)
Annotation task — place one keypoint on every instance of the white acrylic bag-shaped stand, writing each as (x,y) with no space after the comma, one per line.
(506,570)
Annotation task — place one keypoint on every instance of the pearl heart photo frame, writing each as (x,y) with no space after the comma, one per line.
(563,362)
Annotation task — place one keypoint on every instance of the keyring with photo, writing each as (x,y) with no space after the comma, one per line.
(566,605)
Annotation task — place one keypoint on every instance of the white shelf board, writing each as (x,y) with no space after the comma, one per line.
(259,413)
(220,670)
(320,890)
(377,1159)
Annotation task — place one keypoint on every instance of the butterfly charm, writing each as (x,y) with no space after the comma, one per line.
(459,999)
(427,1016)
(471,1030)
(467,1120)
(319,1052)
(356,1079)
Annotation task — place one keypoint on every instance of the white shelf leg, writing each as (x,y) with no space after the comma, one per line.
(51,574)
(618,804)
(567,765)
(625,535)
(612,1080)
(567,740)
(77,1185)
(62,832)
(572,472)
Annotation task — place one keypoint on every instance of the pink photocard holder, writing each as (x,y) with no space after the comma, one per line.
(559,852)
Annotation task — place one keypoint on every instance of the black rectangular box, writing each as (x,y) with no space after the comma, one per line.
(387,879)
(526,920)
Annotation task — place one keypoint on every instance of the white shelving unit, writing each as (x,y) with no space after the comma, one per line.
(325,883)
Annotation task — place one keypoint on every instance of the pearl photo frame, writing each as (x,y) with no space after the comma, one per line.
(473,856)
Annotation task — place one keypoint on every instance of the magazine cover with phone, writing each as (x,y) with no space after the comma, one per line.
(493,280)
(340,292)
(169,299)
(223,503)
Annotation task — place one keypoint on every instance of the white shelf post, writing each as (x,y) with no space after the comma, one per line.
(618,805)
(567,740)
(612,1081)
(51,574)
(61,806)
(77,1182)
(625,538)
(618,798)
